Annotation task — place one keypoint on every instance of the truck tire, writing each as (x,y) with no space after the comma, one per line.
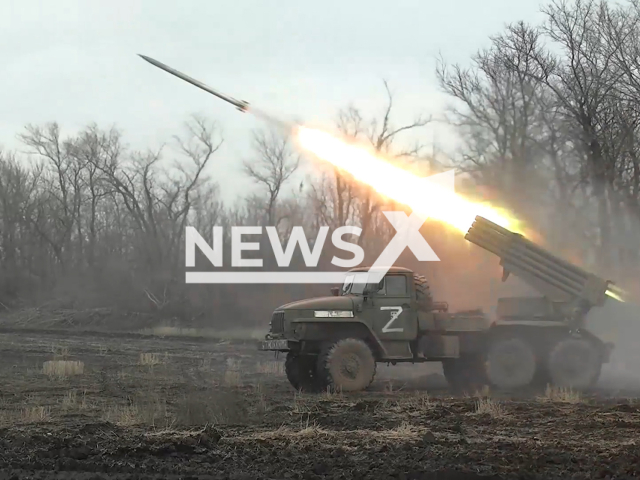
(511,363)
(465,374)
(301,372)
(574,363)
(423,292)
(347,365)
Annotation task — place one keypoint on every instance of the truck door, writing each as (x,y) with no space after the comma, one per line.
(391,312)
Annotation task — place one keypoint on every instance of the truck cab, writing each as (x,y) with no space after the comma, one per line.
(394,320)
(386,313)
(388,308)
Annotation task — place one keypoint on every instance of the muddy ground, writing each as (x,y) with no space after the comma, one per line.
(148,407)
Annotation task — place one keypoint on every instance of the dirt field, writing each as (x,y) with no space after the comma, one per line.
(88,406)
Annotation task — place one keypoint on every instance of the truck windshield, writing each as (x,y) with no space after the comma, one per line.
(346,286)
(354,284)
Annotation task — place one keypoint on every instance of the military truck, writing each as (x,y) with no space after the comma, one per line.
(335,342)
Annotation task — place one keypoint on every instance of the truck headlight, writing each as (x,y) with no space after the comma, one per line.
(333,314)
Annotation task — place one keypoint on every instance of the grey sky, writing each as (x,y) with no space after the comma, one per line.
(75,62)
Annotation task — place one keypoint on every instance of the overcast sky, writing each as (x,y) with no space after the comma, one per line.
(75,62)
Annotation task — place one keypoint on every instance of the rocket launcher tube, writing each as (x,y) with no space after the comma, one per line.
(558,281)
(496,230)
(528,261)
(534,259)
(548,283)
(507,239)
(548,263)
(568,289)
(534,252)
(554,277)
(536,277)
(541,270)
(519,248)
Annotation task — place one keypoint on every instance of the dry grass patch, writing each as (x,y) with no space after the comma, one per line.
(420,401)
(36,414)
(60,352)
(232,376)
(71,399)
(333,394)
(561,395)
(403,431)
(303,404)
(123,415)
(310,430)
(262,405)
(150,410)
(10,417)
(152,359)
(487,406)
(62,368)
(272,367)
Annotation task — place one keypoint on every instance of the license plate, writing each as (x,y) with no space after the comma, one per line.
(274,345)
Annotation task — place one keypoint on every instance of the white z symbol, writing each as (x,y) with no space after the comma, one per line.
(396,311)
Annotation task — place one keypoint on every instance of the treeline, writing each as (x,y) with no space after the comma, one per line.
(549,121)
(549,114)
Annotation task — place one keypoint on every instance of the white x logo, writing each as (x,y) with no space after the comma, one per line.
(407,235)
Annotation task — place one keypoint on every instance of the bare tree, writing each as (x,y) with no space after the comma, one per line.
(583,78)
(552,110)
(340,199)
(276,162)
(514,142)
(158,203)
(63,190)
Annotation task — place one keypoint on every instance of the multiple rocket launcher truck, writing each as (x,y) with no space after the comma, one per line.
(336,342)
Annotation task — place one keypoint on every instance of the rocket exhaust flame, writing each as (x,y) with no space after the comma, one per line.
(616,293)
(432,200)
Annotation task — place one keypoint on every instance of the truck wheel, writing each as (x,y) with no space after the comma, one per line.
(466,374)
(574,363)
(301,372)
(511,363)
(347,365)
(423,292)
